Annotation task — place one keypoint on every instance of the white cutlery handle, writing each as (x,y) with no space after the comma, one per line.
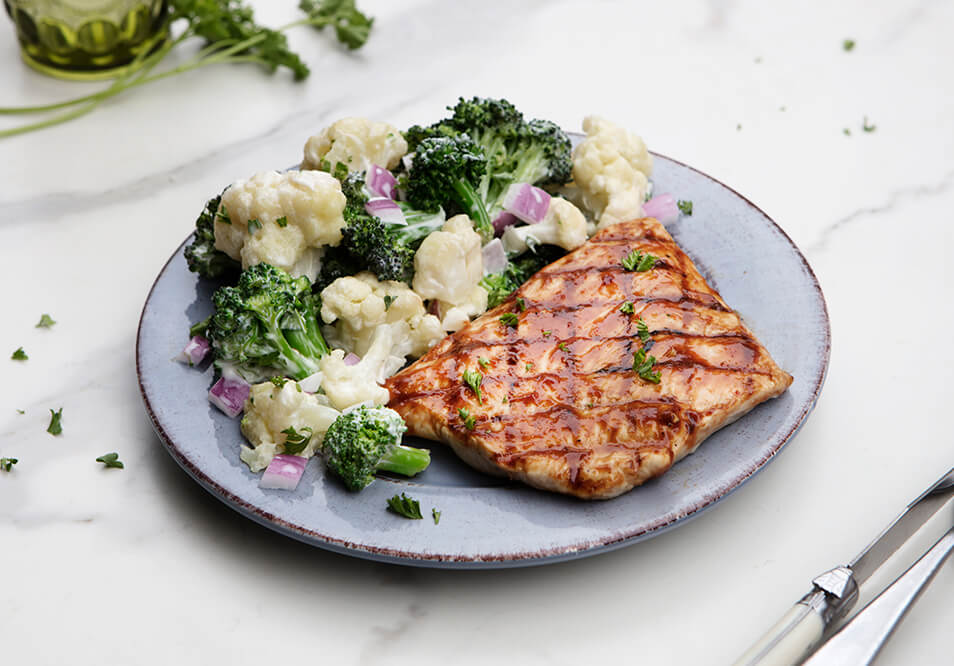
(861,639)
(792,638)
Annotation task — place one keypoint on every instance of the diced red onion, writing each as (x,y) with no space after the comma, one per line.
(229,394)
(387,210)
(380,181)
(526,202)
(195,351)
(352,359)
(502,221)
(663,207)
(284,472)
(495,257)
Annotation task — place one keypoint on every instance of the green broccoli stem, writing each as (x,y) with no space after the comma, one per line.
(471,202)
(404,460)
(307,340)
(302,363)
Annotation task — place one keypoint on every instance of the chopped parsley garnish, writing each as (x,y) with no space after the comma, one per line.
(473,380)
(282,221)
(21,411)
(469,421)
(19,355)
(639,262)
(738,128)
(562,347)
(436,515)
(686,206)
(45,321)
(278,381)
(627,308)
(484,363)
(529,367)
(522,304)
(643,366)
(295,442)
(223,215)
(55,427)
(405,506)
(510,319)
(388,299)
(111,460)
(546,334)
(866,126)
(6,464)
(846,132)
(642,330)
(253,226)
(848,44)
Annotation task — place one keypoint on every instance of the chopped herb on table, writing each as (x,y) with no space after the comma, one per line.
(867,127)
(55,427)
(473,380)
(19,355)
(111,460)
(436,515)
(405,506)
(45,321)
(6,464)
(638,262)
(848,44)
(21,411)
(686,206)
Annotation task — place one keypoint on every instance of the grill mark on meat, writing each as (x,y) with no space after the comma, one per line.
(578,420)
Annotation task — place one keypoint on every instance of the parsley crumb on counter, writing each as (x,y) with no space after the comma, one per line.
(111,460)
(55,427)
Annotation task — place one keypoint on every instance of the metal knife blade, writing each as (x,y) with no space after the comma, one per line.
(918,513)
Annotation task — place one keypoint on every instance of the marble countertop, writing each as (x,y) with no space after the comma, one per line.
(142,566)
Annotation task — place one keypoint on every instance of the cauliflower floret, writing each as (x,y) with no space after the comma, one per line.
(270,409)
(347,385)
(455,317)
(611,167)
(357,143)
(448,264)
(359,304)
(563,225)
(284,219)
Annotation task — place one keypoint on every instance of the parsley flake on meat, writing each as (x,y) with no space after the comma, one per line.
(638,261)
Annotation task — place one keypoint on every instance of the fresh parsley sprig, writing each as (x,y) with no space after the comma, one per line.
(19,355)
(6,464)
(405,506)
(638,261)
(510,319)
(295,442)
(473,380)
(231,35)
(45,321)
(643,366)
(469,421)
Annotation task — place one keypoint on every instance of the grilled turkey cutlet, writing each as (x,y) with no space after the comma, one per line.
(560,406)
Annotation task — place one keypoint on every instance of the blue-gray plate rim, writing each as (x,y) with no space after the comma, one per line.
(487,522)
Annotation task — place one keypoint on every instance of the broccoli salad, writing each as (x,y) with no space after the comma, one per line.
(336,275)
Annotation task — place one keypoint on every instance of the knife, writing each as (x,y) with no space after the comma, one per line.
(835,592)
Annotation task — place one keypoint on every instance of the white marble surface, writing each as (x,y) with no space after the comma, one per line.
(141,566)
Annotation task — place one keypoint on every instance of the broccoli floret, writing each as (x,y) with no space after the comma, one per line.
(387,250)
(201,254)
(501,285)
(516,151)
(367,440)
(448,170)
(267,324)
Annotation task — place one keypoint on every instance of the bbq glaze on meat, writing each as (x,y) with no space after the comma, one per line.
(561,407)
